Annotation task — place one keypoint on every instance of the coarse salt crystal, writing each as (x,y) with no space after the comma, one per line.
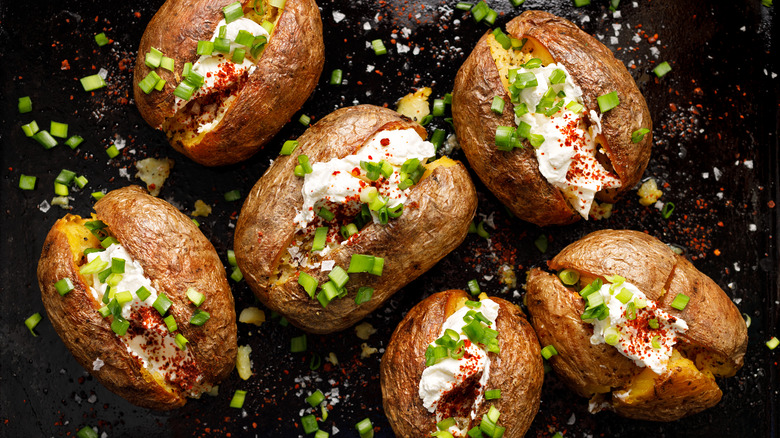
(338,16)
(97,364)
(327,265)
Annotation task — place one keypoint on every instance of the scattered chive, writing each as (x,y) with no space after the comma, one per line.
(363,295)
(298,344)
(143,293)
(92,82)
(30,129)
(464,6)
(304,120)
(233,12)
(25,104)
(167,63)
(45,139)
(379,47)
(336,77)
(549,351)
(86,432)
(492,394)
(569,277)
(170,322)
(365,428)
(771,344)
(315,398)
(288,147)
(233,195)
(181,341)
(474,287)
(200,317)
(101,39)
(608,101)
(498,105)
(33,321)
(581,3)
(638,135)
(541,243)
(238,399)
(437,139)
(438,107)
(162,304)
(112,151)
(308,282)
(153,58)
(309,423)
(680,301)
(97,195)
(320,238)
(662,69)
(27,182)
(195,297)
(668,209)
(236,275)
(481,231)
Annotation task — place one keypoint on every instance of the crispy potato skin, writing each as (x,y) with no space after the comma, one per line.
(410,244)
(514,177)
(517,370)
(286,74)
(715,324)
(175,256)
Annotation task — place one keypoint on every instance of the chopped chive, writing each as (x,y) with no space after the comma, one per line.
(162,304)
(481,231)
(480,11)
(304,120)
(27,182)
(365,428)
(680,301)
(112,151)
(320,237)
(668,209)
(74,141)
(308,282)
(195,297)
(205,48)
(288,147)
(170,322)
(336,77)
(86,432)
(238,399)
(492,394)
(315,398)
(45,139)
(233,12)
(491,16)
(474,287)
(245,38)
(541,243)
(184,90)
(298,344)
(581,3)
(101,39)
(97,195)
(498,105)
(92,82)
(438,107)
(772,343)
(608,101)
(338,276)
(233,195)
(33,321)
(303,161)
(638,135)
(231,255)
(30,129)
(200,317)
(167,63)
(143,293)
(549,351)
(464,6)
(379,47)
(120,325)
(363,295)
(153,58)
(181,341)
(569,277)
(437,139)
(25,104)
(236,275)
(309,423)
(662,69)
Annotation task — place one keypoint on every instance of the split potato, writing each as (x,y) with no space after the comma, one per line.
(154,322)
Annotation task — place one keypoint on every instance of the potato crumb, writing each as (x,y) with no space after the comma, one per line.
(243,363)
(154,172)
(201,209)
(252,315)
(214,391)
(364,330)
(600,211)
(332,358)
(508,276)
(366,351)
(649,193)
(415,105)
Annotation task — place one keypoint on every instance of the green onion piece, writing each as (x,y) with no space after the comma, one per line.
(143,293)
(31,128)
(74,141)
(181,341)
(426,120)
(277,3)
(631,311)
(379,264)
(613,4)
(170,322)
(195,79)
(81,181)
(104,311)
(245,38)
(117,265)
(303,160)
(474,287)
(668,209)
(438,107)
(27,182)
(498,105)
(314,364)
(365,428)
(351,230)
(525,80)
(298,344)
(379,47)
(549,351)
(112,151)
(364,294)
(625,295)
(594,300)
(536,140)
(386,169)
(608,101)
(638,135)
(315,398)
(308,282)
(653,323)
(64,286)
(481,232)
(236,275)
(516,3)
(238,56)
(491,16)
(108,241)
(233,195)
(502,39)
(120,325)
(662,69)
(541,243)
(186,69)
(45,139)
(238,399)
(557,76)
(93,267)
(680,301)
(493,414)
(184,90)
(162,304)
(167,63)
(320,237)
(268,26)
(33,321)
(580,3)
(747,319)
(200,317)
(25,104)
(474,432)
(575,107)
(86,432)
(60,189)
(304,120)
(437,139)
(656,342)
(464,6)
(103,275)
(492,394)
(309,423)
(322,433)
(767,3)
(205,48)
(569,277)
(92,82)
(338,276)
(288,147)
(233,12)
(557,435)
(195,297)
(611,336)
(336,77)
(772,343)
(222,45)
(361,263)
(97,195)
(222,31)
(445,424)
(533,63)
(153,58)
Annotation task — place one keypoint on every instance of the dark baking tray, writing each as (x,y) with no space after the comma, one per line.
(715,126)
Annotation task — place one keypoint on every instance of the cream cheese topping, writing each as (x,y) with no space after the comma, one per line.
(439,379)
(635,336)
(567,157)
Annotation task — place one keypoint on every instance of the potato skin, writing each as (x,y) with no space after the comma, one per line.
(514,177)
(715,324)
(286,74)
(517,370)
(175,256)
(265,226)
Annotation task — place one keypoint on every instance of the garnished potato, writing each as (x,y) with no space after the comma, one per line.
(155,325)
(246,97)
(276,252)
(515,369)
(712,345)
(550,157)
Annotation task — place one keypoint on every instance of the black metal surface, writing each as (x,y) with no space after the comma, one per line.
(716,125)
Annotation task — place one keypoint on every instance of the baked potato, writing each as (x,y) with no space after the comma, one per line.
(139,296)
(534,113)
(225,96)
(645,359)
(357,157)
(424,390)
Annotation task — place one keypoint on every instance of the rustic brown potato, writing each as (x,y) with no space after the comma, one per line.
(435,220)
(713,346)
(175,256)
(514,176)
(252,109)
(516,370)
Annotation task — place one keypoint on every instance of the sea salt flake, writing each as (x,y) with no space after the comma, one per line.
(366,26)
(748,164)
(369,68)
(416,51)
(327,265)
(617,14)
(338,16)
(97,364)
(614,41)
(717,173)
(402,48)
(44,206)
(752,227)
(655,52)
(103,73)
